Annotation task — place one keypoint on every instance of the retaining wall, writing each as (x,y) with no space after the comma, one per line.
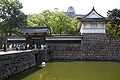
(11,64)
(65,51)
(92,47)
(42,55)
(101,46)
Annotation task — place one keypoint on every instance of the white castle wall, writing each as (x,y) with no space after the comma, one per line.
(88,28)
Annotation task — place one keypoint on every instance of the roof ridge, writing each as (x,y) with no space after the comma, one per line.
(91,12)
(36,27)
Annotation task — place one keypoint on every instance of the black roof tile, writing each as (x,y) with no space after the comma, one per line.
(35,29)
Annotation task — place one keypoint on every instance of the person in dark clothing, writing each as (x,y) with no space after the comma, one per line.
(4,47)
(17,48)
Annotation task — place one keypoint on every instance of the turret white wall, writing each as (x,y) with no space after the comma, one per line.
(93,28)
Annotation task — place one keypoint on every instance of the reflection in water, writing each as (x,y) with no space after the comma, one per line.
(78,70)
(41,74)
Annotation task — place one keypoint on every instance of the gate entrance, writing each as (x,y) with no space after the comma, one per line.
(35,36)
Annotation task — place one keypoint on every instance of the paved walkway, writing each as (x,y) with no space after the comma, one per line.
(11,52)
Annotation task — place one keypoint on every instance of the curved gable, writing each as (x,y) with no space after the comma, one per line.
(93,14)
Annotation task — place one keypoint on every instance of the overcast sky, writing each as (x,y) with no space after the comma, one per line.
(80,6)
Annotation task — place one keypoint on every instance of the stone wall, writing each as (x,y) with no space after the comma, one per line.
(101,46)
(92,47)
(65,51)
(42,55)
(11,64)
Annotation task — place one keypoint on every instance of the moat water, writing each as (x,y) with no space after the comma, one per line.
(76,70)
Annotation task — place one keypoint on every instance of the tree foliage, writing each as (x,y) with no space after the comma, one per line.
(59,22)
(13,18)
(113,27)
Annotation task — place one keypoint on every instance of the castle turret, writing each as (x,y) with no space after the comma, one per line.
(71,9)
(93,22)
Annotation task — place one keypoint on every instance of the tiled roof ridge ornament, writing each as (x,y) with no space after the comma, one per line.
(93,9)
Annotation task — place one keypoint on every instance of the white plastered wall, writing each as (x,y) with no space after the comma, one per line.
(86,28)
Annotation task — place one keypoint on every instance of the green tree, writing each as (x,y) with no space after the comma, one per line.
(12,16)
(3,27)
(113,26)
(59,22)
(35,20)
